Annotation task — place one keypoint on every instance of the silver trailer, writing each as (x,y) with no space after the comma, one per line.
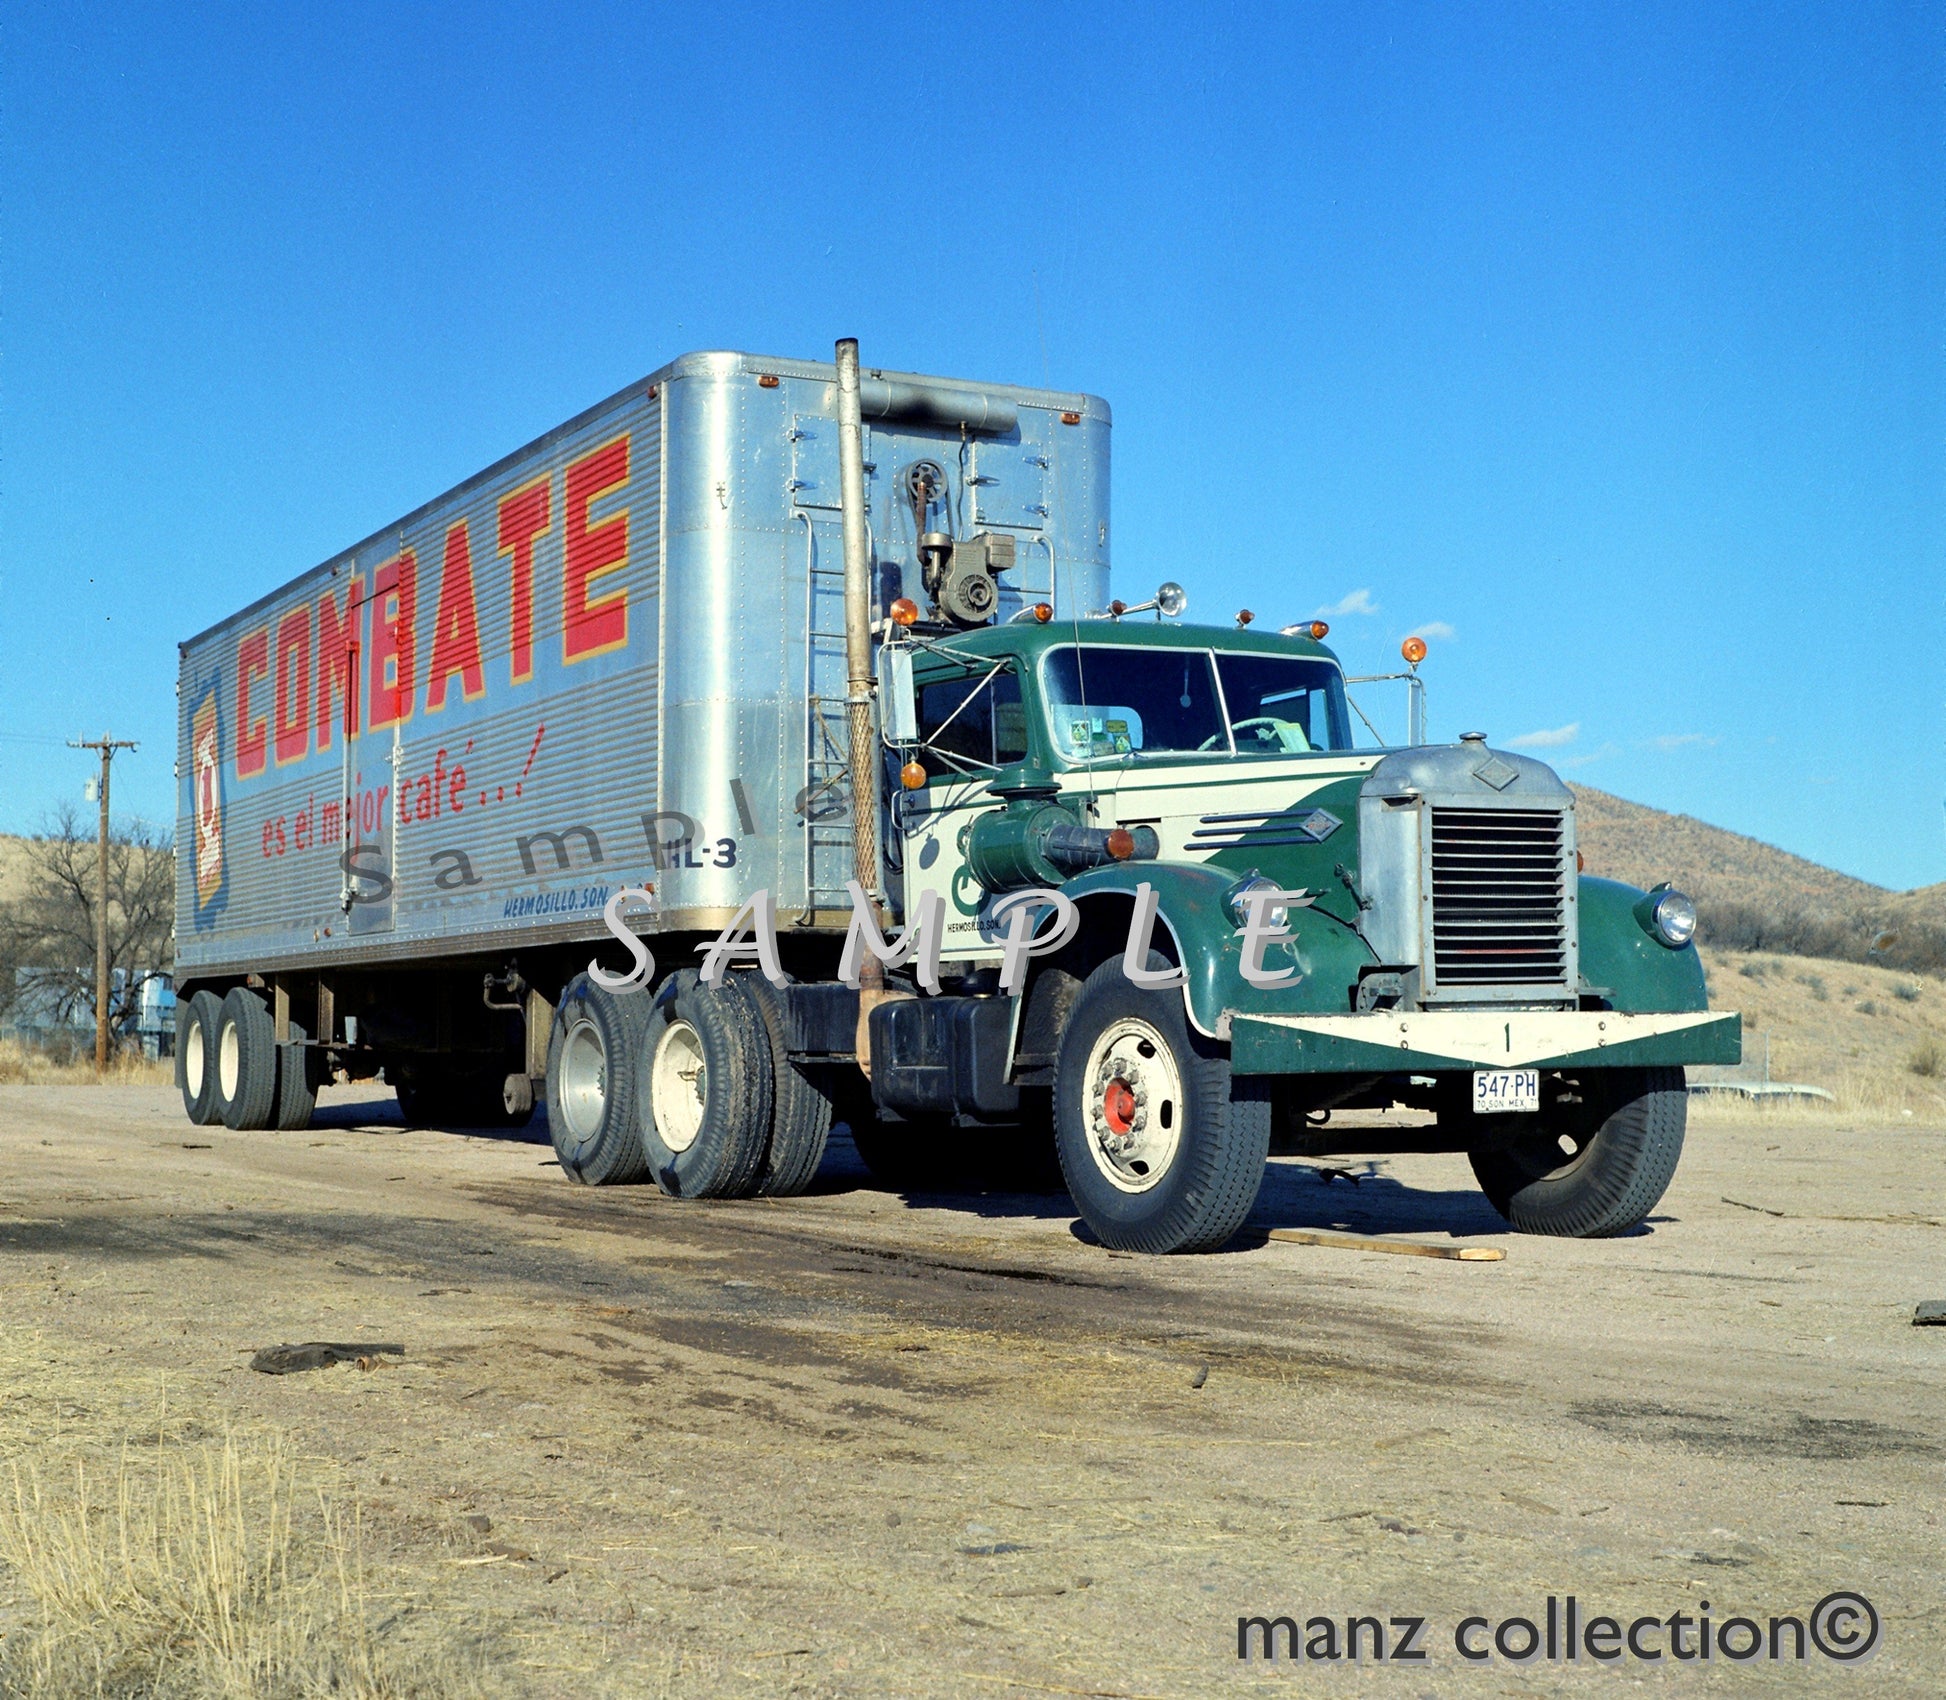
(616,657)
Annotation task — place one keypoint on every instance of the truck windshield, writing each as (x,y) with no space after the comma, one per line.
(1284,704)
(1106,703)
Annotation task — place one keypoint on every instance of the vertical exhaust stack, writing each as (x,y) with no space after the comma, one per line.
(858,668)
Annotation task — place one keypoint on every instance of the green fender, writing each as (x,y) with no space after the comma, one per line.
(1190,906)
(1635,973)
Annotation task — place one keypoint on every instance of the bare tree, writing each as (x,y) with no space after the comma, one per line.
(50,931)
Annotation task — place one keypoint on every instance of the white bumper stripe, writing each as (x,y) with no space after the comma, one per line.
(1491,1040)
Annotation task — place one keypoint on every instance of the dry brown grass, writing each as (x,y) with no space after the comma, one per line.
(1855,1030)
(28,1065)
(169,1564)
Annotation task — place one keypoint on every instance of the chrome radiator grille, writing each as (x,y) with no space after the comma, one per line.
(1499,897)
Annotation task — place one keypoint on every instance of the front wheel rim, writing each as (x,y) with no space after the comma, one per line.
(678,1086)
(1132,1105)
(584,1080)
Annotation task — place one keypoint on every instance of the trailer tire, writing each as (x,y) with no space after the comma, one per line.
(196,1057)
(246,1062)
(592,1060)
(297,1084)
(704,1109)
(1627,1140)
(1162,1147)
(800,1114)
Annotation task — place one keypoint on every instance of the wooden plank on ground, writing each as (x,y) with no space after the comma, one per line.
(1399,1248)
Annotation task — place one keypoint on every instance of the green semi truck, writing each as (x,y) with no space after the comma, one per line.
(1265,924)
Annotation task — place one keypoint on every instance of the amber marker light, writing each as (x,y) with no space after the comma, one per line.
(1414,650)
(1120,843)
(1043,611)
(768,381)
(905,612)
(912,776)
(1319,629)
(1244,616)
(1070,419)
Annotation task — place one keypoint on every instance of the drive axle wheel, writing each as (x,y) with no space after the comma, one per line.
(1162,1148)
(1594,1162)
(591,1084)
(705,1109)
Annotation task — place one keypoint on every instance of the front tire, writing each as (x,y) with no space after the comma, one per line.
(592,1058)
(1592,1164)
(1162,1148)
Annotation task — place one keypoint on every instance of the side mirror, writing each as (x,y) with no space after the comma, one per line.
(898,708)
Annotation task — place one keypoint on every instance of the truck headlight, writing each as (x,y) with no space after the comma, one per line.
(1237,900)
(1667,916)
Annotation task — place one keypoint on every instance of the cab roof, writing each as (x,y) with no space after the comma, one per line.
(1029,639)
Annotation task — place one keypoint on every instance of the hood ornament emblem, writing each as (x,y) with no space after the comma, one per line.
(1497,773)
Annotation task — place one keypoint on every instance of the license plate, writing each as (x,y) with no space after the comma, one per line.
(1504,1091)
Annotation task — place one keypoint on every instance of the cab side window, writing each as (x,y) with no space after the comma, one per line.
(983,721)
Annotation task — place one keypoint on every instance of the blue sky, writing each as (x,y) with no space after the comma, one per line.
(1602,344)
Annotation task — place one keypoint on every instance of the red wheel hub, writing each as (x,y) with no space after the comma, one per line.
(1118,1106)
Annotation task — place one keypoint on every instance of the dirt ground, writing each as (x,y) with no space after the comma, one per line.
(861,1444)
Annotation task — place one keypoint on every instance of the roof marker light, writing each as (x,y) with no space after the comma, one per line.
(912,776)
(905,612)
(1414,650)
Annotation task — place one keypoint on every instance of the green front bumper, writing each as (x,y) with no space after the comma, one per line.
(1435,1042)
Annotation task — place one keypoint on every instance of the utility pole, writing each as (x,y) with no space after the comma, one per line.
(107,746)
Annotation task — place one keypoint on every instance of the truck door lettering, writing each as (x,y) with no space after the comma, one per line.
(726,853)
(456,626)
(669,852)
(594,625)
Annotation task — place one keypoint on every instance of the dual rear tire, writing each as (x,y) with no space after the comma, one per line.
(692,1087)
(230,1068)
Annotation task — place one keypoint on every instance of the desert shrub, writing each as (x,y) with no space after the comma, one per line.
(1928,1058)
(1868,1008)
(1906,992)
(1814,984)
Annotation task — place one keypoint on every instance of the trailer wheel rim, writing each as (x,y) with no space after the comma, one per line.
(192,1059)
(1134,1104)
(584,1080)
(229,1061)
(678,1086)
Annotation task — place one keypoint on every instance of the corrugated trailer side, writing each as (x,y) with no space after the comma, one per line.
(412,778)
(443,737)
